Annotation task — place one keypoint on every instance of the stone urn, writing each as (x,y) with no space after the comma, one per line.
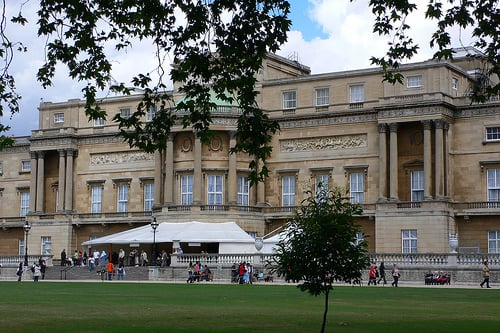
(453,241)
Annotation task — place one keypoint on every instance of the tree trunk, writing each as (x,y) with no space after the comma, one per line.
(326,311)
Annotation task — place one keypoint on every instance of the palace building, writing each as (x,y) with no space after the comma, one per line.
(420,157)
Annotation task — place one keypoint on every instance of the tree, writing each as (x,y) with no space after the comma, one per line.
(481,15)
(318,246)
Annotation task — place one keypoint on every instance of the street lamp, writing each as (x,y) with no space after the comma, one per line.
(154,225)
(27,229)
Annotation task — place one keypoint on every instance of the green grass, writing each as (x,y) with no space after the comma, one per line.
(158,307)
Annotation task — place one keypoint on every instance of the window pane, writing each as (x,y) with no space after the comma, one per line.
(96,199)
(187,190)
(243,191)
(288,190)
(493,133)
(493,183)
(322,96)
(357,93)
(214,190)
(417,185)
(149,191)
(289,100)
(414,81)
(357,187)
(25,203)
(122,198)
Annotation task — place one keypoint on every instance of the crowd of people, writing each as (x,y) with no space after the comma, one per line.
(377,274)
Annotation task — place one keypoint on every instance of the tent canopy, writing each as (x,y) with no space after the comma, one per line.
(199,232)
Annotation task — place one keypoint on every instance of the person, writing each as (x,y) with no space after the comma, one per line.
(486,275)
(43,267)
(63,257)
(110,268)
(249,273)
(36,271)
(121,271)
(372,275)
(381,270)
(121,256)
(102,259)
(190,273)
(19,272)
(144,258)
(395,275)
(91,264)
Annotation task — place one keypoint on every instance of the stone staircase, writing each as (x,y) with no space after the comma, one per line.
(83,273)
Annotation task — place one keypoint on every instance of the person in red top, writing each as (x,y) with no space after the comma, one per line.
(110,268)
(372,275)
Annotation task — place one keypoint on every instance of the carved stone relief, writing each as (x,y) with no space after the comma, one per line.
(120,157)
(324,143)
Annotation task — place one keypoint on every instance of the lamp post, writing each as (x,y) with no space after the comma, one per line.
(27,228)
(154,225)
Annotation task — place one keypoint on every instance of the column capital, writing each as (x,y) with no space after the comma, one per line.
(427,124)
(440,123)
(393,127)
(382,128)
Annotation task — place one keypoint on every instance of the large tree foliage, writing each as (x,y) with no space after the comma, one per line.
(318,246)
(483,16)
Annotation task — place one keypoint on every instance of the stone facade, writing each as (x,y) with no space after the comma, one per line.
(416,155)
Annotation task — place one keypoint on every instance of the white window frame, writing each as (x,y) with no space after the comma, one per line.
(149,196)
(26,166)
(125,113)
(150,113)
(122,198)
(493,134)
(289,99)
(322,96)
(409,241)
(321,184)
(417,185)
(215,189)
(494,241)
(99,122)
(493,184)
(288,191)
(414,81)
(25,203)
(357,187)
(46,245)
(243,191)
(58,118)
(454,83)
(96,199)
(356,93)
(187,190)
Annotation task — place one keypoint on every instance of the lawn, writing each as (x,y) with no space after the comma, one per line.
(159,307)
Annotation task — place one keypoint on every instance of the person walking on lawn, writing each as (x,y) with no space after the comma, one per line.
(486,275)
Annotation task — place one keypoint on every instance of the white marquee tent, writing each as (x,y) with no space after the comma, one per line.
(231,238)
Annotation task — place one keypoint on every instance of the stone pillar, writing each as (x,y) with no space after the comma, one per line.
(33,182)
(68,202)
(232,177)
(393,167)
(40,188)
(261,188)
(439,124)
(427,159)
(157,178)
(197,180)
(169,171)
(382,161)
(62,179)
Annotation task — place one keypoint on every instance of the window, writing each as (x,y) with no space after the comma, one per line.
(25,203)
(357,187)
(21,247)
(149,196)
(186,190)
(494,241)
(409,241)
(243,191)
(122,198)
(1,168)
(125,113)
(493,176)
(289,100)
(414,81)
(288,190)
(322,96)
(46,245)
(99,122)
(150,114)
(214,193)
(357,93)
(493,134)
(58,118)
(96,206)
(25,166)
(321,185)
(417,185)
(454,83)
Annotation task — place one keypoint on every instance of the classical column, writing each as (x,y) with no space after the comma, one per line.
(439,124)
(33,183)
(68,202)
(393,161)
(157,178)
(232,178)
(382,161)
(197,181)
(40,188)
(169,171)
(427,159)
(62,180)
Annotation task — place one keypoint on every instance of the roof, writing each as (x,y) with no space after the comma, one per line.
(199,232)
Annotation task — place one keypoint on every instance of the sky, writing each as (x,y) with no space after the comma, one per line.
(326,35)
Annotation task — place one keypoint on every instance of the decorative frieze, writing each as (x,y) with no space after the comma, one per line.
(324,143)
(120,158)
